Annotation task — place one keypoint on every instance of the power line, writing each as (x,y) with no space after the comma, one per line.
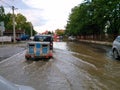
(11,6)
(6,3)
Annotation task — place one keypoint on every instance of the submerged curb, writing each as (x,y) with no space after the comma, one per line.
(97,42)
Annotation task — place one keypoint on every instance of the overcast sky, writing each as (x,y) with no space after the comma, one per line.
(44,14)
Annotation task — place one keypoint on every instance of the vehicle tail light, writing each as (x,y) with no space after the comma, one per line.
(51,44)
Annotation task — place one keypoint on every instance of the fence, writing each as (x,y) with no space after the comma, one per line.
(102,37)
(5,39)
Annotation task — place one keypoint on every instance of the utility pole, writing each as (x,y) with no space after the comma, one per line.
(14,33)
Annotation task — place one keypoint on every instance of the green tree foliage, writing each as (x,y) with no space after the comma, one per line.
(28,27)
(8,21)
(91,18)
(20,22)
(2,13)
(59,32)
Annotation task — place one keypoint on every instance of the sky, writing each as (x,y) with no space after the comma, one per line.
(44,14)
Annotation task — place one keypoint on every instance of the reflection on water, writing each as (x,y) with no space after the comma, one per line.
(104,72)
(107,69)
(60,45)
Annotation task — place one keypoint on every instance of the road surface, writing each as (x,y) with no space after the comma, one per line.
(74,66)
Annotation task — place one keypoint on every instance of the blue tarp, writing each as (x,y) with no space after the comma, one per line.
(38,46)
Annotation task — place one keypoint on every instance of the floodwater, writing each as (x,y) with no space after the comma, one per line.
(106,73)
(7,51)
(74,66)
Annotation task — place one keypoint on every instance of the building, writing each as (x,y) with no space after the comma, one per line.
(10,33)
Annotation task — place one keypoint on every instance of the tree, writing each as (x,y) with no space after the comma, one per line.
(60,32)
(21,22)
(91,18)
(8,21)
(2,13)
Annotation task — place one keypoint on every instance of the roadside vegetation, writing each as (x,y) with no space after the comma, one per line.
(20,20)
(95,20)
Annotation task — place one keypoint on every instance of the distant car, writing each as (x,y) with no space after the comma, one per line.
(24,37)
(44,38)
(71,38)
(116,48)
(7,85)
(58,37)
(32,37)
(17,39)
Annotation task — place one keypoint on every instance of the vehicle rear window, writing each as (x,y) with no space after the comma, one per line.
(43,38)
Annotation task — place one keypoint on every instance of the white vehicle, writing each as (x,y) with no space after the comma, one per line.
(6,85)
(32,37)
(71,38)
(116,48)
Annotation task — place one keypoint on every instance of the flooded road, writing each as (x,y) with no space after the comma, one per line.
(7,51)
(105,73)
(74,66)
